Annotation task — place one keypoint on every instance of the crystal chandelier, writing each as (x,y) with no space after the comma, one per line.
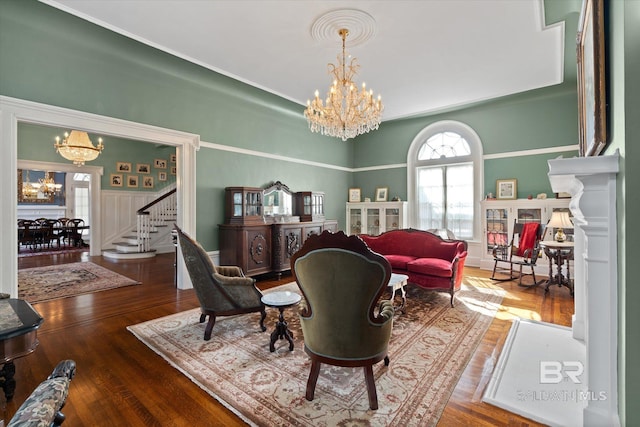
(347,111)
(29,189)
(77,147)
(48,186)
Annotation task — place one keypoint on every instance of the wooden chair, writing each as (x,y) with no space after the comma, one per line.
(221,291)
(74,233)
(523,251)
(26,233)
(341,280)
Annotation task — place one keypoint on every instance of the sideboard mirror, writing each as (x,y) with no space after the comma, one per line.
(277,202)
(28,191)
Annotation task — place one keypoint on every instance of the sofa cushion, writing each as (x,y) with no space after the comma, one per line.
(431,267)
(399,261)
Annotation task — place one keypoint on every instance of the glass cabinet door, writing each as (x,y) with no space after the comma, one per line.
(373,221)
(497,228)
(392,219)
(355,220)
(529,215)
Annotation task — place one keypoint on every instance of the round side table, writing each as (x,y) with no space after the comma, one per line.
(281,300)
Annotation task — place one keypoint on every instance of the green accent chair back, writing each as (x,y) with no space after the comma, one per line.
(342,322)
(221,291)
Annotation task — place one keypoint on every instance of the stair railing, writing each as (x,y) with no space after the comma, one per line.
(149,216)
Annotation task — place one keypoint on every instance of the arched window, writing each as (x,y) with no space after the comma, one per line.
(444,168)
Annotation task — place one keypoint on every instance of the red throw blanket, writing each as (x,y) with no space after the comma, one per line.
(527,237)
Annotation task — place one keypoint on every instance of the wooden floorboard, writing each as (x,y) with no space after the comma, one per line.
(120,381)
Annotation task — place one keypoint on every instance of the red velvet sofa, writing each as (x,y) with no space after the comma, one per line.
(430,261)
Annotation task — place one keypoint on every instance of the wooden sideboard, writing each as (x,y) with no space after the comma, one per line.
(266,248)
(260,235)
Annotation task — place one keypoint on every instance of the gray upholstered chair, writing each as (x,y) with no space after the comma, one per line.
(342,280)
(221,291)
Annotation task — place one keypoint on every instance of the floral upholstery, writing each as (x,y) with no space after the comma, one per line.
(42,407)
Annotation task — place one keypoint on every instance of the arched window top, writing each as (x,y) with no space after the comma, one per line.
(444,145)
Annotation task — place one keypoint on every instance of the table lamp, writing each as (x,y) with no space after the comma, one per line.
(560,220)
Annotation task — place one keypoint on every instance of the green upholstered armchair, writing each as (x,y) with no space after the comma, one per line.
(342,280)
(222,291)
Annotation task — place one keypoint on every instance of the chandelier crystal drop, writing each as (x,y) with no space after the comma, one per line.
(77,147)
(347,112)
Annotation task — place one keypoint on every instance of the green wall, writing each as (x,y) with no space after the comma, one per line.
(35,142)
(61,60)
(540,119)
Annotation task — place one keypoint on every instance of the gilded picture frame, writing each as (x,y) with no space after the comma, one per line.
(592,93)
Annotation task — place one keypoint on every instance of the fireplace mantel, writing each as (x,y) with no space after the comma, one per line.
(591,181)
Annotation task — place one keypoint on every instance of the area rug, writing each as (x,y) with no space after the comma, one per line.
(25,252)
(532,375)
(430,346)
(66,280)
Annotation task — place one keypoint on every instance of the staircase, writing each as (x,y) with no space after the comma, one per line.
(154,225)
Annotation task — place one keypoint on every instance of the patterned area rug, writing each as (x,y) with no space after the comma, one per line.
(66,280)
(430,346)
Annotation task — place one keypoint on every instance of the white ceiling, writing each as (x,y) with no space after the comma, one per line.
(421,56)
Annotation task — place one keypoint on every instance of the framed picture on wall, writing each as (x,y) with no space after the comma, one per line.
(147,182)
(173,170)
(354,195)
(162,176)
(507,189)
(592,90)
(132,181)
(160,163)
(116,180)
(123,166)
(143,168)
(172,158)
(381,194)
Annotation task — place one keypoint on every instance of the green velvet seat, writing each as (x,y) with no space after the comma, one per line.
(342,322)
(221,291)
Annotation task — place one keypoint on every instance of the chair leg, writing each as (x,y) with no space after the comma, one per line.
(371,387)
(313,379)
(209,328)
(262,317)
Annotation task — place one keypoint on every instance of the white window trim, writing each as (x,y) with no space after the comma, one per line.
(476,157)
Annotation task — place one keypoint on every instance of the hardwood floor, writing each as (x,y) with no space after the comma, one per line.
(120,381)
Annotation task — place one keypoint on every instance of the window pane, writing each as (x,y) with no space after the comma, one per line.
(430,198)
(444,145)
(460,200)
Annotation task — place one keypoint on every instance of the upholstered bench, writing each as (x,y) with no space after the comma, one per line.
(42,407)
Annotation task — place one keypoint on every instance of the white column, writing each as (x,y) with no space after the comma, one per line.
(591,181)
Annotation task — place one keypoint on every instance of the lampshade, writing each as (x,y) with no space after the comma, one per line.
(560,220)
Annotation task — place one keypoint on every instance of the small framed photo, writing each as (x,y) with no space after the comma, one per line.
(132,181)
(147,182)
(160,163)
(116,180)
(381,194)
(143,168)
(174,170)
(162,176)
(172,158)
(123,166)
(354,195)
(507,189)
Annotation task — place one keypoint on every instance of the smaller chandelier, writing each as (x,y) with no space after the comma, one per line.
(347,111)
(77,147)
(30,189)
(48,186)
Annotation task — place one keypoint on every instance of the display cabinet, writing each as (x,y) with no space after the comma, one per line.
(309,205)
(498,217)
(243,205)
(375,218)
(261,232)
